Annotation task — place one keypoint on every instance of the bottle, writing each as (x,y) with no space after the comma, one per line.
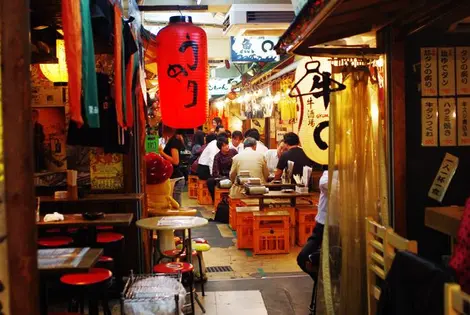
(38,203)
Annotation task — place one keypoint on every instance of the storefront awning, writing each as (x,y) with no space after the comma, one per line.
(324,21)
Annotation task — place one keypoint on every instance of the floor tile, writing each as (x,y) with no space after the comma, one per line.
(239,302)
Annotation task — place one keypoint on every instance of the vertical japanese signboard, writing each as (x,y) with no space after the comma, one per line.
(446,71)
(429,76)
(462,66)
(444,176)
(429,122)
(463,111)
(447,122)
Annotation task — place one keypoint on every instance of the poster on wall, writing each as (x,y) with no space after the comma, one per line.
(447,122)
(106,170)
(444,176)
(446,71)
(429,76)
(462,65)
(429,122)
(312,123)
(463,111)
(253,49)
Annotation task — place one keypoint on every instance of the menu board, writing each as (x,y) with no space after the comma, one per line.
(463,111)
(429,71)
(429,122)
(106,170)
(462,69)
(444,176)
(447,122)
(446,71)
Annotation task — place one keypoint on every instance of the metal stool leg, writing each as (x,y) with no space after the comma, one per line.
(313,302)
(201,276)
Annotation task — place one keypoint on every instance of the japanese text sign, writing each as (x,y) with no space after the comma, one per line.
(447,122)
(462,66)
(429,122)
(446,71)
(443,177)
(463,111)
(253,48)
(429,71)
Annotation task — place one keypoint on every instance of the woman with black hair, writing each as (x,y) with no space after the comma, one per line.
(222,164)
(198,142)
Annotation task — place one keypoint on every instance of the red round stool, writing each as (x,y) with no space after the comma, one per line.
(108,237)
(177,254)
(173,267)
(55,241)
(200,240)
(94,284)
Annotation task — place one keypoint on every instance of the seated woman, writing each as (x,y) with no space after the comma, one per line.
(222,164)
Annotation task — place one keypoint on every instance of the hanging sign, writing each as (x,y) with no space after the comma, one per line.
(447,122)
(183,73)
(106,170)
(429,123)
(446,71)
(429,71)
(313,114)
(151,144)
(443,177)
(462,65)
(219,86)
(253,48)
(463,111)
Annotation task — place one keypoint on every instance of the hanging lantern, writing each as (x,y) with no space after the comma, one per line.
(232,95)
(182,73)
(56,72)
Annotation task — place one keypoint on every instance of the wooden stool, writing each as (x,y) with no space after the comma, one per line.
(203,195)
(192,186)
(219,193)
(271,232)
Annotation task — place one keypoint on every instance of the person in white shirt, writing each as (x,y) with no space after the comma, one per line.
(254,133)
(309,258)
(237,141)
(273,155)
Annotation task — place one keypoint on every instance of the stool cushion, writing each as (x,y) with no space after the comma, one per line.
(109,237)
(106,259)
(177,253)
(197,247)
(104,228)
(55,241)
(173,267)
(94,276)
(200,240)
(53,231)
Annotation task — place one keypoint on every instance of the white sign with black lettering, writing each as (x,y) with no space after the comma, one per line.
(446,71)
(462,70)
(429,71)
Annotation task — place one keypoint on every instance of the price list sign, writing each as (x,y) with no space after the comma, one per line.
(463,111)
(446,72)
(429,122)
(447,122)
(444,176)
(429,76)
(462,65)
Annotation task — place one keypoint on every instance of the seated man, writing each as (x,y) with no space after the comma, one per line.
(273,155)
(248,160)
(237,141)
(254,133)
(308,258)
(222,164)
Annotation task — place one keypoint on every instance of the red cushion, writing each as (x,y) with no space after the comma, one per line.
(105,259)
(94,276)
(200,240)
(104,228)
(55,241)
(176,252)
(109,237)
(173,267)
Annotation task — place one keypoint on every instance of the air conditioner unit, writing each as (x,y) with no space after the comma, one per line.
(258,19)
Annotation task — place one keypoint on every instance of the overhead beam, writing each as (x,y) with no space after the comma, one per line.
(159,8)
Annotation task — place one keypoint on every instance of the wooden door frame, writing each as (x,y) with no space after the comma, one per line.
(18,158)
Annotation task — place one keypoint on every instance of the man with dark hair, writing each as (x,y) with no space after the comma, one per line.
(254,133)
(206,160)
(219,129)
(237,139)
(295,154)
(222,164)
(248,160)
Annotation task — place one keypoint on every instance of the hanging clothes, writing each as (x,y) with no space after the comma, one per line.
(118,64)
(72,25)
(130,56)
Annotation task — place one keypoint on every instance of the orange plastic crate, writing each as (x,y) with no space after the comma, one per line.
(219,193)
(271,232)
(233,204)
(203,195)
(245,226)
(306,214)
(291,211)
(192,186)
(304,231)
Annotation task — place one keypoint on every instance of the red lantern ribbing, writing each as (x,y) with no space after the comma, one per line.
(182,73)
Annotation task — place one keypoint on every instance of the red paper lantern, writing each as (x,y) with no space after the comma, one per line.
(182,73)
(158,169)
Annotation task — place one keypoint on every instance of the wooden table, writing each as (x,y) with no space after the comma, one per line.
(96,198)
(53,262)
(76,220)
(444,219)
(279,186)
(292,196)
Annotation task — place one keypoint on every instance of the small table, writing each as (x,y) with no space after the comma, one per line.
(96,198)
(77,220)
(279,195)
(444,219)
(63,260)
(165,227)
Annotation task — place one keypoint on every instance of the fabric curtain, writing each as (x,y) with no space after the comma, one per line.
(118,64)
(355,182)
